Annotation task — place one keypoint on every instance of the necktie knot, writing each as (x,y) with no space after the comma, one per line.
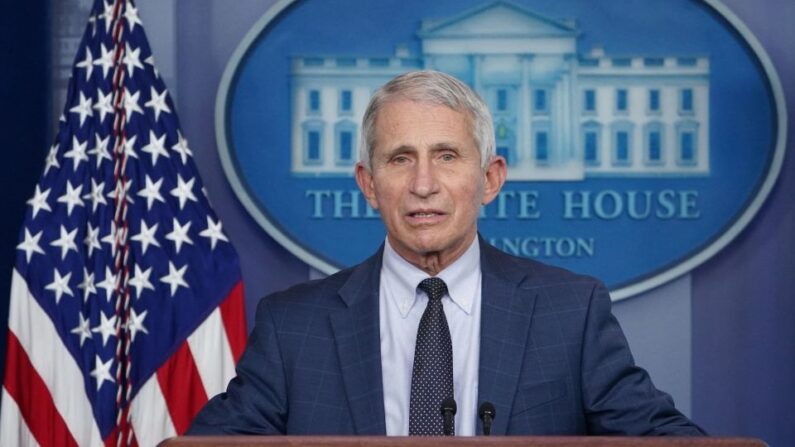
(435,288)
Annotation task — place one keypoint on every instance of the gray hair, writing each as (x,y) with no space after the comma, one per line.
(434,87)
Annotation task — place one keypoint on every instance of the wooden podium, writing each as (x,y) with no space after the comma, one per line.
(496,441)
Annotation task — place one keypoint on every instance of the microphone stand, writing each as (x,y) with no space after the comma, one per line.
(449,409)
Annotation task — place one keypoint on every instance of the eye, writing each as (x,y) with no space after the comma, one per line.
(400,159)
(447,156)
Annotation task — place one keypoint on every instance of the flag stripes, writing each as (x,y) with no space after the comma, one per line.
(26,387)
(165,405)
(32,334)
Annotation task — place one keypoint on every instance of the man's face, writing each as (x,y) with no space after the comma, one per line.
(427,180)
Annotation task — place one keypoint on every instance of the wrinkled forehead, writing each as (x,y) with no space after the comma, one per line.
(387,111)
(421,121)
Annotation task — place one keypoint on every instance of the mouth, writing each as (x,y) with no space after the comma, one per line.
(425,217)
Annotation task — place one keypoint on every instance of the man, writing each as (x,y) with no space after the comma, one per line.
(437,313)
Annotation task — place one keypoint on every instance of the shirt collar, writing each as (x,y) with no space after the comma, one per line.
(461,277)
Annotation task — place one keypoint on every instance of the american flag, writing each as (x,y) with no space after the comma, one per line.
(126,307)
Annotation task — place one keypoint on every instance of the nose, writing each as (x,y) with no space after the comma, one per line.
(424,182)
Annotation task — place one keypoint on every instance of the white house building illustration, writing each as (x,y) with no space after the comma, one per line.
(558,114)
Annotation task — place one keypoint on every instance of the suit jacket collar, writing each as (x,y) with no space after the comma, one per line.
(357,335)
(506,311)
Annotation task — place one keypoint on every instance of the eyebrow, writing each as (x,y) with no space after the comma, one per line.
(402,149)
(441,146)
(444,146)
(408,149)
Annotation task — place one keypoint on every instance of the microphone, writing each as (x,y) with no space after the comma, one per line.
(486,413)
(448,411)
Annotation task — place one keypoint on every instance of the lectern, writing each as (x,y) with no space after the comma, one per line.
(480,441)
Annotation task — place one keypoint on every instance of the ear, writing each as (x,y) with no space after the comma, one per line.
(495,175)
(364,178)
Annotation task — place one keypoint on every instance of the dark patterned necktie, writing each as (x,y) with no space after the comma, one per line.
(432,376)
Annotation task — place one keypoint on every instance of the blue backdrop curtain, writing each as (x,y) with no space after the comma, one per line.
(24,122)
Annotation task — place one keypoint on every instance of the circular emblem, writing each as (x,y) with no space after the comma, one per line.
(640,140)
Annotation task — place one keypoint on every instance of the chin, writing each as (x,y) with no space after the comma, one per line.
(427,245)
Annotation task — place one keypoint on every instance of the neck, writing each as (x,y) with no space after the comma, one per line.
(434,262)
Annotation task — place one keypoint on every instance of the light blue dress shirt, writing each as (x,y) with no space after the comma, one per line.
(401,306)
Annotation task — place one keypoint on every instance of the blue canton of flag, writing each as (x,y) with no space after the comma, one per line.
(126,304)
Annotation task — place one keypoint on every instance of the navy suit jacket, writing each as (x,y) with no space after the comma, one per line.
(553,360)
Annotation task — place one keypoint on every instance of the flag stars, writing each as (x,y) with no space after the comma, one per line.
(106,327)
(87,286)
(30,244)
(82,329)
(100,149)
(39,201)
(213,232)
(87,63)
(151,61)
(146,236)
(184,191)
(84,108)
(156,147)
(77,153)
(182,148)
(131,103)
(132,59)
(141,281)
(108,284)
(131,14)
(122,189)
(136,323)
(91,240)
(105,61)
(110,239)
(71,197)
(66,242)
(107,14)
(157,102)
(151,192)
(92,20)
(179,235)
(129,147)
(60,285)
(175,277)
(52,159)
(101,371)
(103,106)
(96,195)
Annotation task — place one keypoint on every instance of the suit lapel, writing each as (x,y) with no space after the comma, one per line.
(358,340)
(505,322)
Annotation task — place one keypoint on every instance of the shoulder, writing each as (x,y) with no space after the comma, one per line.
(322,294)
(530,272)
(306,296)
(553,287)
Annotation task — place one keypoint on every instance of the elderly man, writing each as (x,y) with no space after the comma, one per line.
(437,316)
